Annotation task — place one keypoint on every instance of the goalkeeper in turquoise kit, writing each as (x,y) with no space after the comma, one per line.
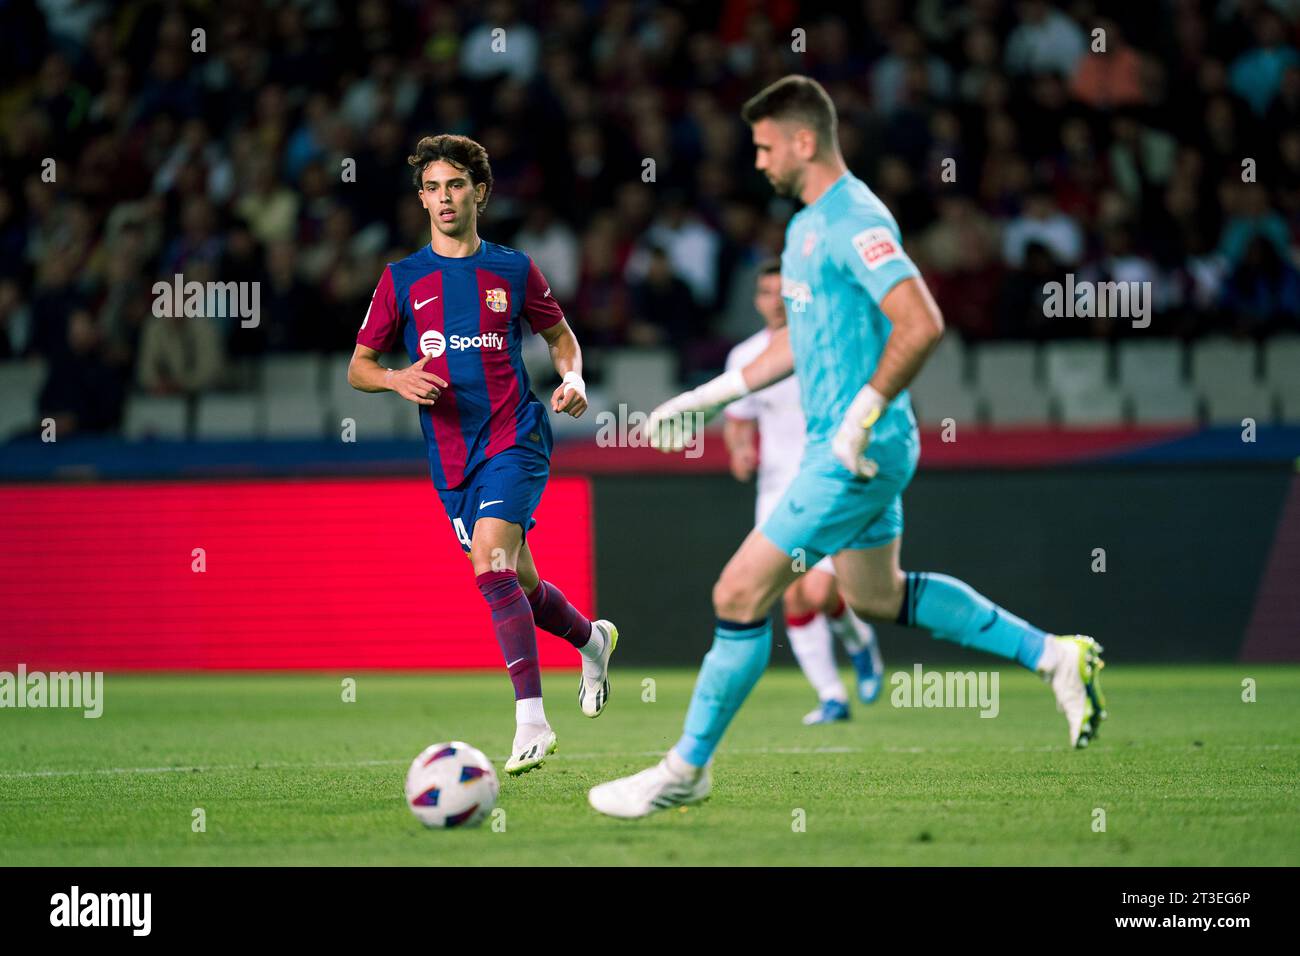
(861,323)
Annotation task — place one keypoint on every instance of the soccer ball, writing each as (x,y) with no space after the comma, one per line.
(451,785)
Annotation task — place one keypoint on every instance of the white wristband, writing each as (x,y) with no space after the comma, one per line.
(572,381)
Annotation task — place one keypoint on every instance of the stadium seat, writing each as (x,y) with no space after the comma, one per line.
(948,359)
(20,388)
(293,415)
(1150,365)
(1221,365)
(937,395)
(1074,367)
(1030,407)
(1287,399)
(408,421)
(1247,400)
(375,415)
(1006,380)
(286,374)
(641,378)
(337,389)
(940,390)
(1100,406)
(228,417)
(1164,406)
(1223,373)
(1006,368)
(1282,373)
(149,416)
(1289,407)
(1282,363)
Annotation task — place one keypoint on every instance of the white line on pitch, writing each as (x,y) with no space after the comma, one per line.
(18,774)
(194,769)
(614,754)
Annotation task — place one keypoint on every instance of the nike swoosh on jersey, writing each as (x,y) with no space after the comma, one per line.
(484,504)
(421,305)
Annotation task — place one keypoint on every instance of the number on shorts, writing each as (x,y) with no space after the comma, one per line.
(461,532)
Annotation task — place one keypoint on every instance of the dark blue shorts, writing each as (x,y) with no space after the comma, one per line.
(508,486)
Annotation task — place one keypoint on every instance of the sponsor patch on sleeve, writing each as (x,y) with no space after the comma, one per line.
(876,246)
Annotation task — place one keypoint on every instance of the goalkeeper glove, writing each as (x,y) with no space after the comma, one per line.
(854,433)
(670,425)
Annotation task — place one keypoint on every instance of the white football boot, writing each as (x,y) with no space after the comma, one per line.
(533,744)
(1076,683)
(656,788)
(593,686)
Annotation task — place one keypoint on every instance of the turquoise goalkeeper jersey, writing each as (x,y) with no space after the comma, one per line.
(842,255)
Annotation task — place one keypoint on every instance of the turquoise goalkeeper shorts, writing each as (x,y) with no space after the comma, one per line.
(826,509)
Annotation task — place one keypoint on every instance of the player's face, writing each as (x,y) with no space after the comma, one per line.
(776,157)
(451,198)
(768,302)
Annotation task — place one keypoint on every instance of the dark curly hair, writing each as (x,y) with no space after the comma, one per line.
(461,151)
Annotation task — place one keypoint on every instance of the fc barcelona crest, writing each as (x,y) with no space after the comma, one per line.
(496,300)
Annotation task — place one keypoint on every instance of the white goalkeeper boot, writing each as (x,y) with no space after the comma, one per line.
(669,783)
(1074,672)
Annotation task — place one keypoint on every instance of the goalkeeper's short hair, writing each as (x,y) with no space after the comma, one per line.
(799,99)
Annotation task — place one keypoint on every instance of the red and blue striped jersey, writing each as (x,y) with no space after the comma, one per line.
(465,314)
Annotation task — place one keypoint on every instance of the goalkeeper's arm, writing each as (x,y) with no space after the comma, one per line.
(772,364)
(671,422)
(917,326)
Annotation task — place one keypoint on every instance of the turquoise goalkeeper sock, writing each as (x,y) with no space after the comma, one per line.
(953,611)
(731,669)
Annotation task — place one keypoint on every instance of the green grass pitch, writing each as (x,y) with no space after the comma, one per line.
(287,773)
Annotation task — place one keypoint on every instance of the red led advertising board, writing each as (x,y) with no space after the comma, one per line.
(239,575)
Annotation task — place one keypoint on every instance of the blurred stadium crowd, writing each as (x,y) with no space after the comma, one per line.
(230,165)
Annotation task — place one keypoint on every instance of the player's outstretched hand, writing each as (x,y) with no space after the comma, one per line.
(414,384)
(671,424)
(571,395)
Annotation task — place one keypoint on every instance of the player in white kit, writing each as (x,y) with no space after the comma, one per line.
(814,610)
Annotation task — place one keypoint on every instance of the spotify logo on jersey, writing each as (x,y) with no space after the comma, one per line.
(432,343)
